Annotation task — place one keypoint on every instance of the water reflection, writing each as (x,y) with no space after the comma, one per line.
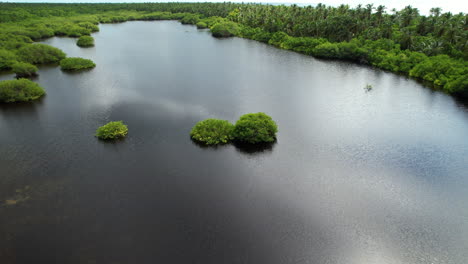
(355,177)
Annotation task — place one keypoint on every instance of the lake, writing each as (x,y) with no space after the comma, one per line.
(356,176)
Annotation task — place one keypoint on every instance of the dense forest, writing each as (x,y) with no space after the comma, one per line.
(433,48)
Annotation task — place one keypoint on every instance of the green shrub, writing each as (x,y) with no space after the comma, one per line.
(255,128)
(40,53)
(202,24)
(24,69)
(225,29)
(20,90)
(190,19)
(73,64)
(212,131)
(85,41)
(7,58)
(112,130)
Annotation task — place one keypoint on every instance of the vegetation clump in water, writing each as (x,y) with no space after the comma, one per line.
(112,130)
(225,29)
(255,128)
(20,90)
(85,41)
(212,131)
(24,69)
(74,64)
(40,54)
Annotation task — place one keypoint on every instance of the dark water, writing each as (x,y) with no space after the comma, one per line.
(355,177)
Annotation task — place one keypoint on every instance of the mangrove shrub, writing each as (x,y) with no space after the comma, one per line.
(212,131)
(225,29)
(40,53)
(20,90)
(112,130)
(85,41)
(255,128)
(7,58)
(74,64)
(24,69)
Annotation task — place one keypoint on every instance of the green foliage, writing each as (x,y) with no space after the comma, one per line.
(112,130)
(24,69)
(443,71)
(255,128)
(190,19)
(7,58)
(85,41)
(201,25)
(212,131)
(20,90)
(225,29)
(40,54)
(74,64)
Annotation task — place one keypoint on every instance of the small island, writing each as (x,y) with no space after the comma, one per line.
(250,128)
(75,64)
(212,131)
(112,130)
(85,41)
(21,90)
(255,128)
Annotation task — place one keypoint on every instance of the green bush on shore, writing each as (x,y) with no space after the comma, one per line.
(20,90)
(255,128)
(85,41)
(212,131)
(225,29)
(40,54)
(7,58)
(112,130)
(24,69)
(202,25)
(74,64)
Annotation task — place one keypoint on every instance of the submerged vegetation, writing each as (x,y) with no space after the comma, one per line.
(20,90)
(429,48)
(85,41)
(112,130)
(212,131)
(74,64)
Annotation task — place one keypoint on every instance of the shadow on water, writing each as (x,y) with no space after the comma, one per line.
(22,107)
(255,149)
(241,147)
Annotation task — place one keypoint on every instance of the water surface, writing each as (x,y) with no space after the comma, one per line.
(355,177)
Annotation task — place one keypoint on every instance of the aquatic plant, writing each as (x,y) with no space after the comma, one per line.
(20,90)
(368,88)
(85,41)
(24,69)
(74,64)
(112,130)
(212,131)
(225,29)
(40,53)
(255,128)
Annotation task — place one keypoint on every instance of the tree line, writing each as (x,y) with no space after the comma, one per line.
(433,48)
